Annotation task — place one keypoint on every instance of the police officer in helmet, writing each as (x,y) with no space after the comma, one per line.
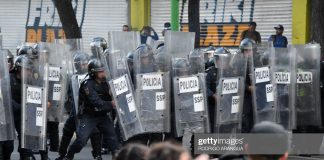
(80,62)
(21,62)
(96,103)
(247,47)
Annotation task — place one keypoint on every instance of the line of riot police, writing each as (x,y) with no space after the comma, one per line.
(127,92)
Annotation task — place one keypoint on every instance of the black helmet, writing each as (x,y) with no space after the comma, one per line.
(80,58)
(94,66)
(22,61)
(28,51)
(221,51)
(98,45)
(246,44)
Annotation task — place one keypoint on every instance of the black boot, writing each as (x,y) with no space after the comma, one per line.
(96,155)
(60,158)
(69,156)
(27,157)
(44,155)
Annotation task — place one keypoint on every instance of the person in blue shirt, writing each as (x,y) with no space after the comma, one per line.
(278,39)
(147,32)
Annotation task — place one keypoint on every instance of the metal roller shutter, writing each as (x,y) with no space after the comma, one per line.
(160,13)
(222,21)
(36,20)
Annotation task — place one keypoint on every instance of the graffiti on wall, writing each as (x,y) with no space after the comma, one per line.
(43,21)
(221,21)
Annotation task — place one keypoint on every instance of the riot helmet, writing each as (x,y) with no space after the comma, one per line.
(28,51)
(95,66)
(181,67)
(98,46)
(80,61)
(247,46)
(22,61)
(145,54)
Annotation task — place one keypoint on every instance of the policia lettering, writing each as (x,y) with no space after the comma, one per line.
(189,84)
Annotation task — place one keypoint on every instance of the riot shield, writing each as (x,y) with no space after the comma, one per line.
(34,102)
(263,100)
(308,85)
(152,89)
(173,45)
(123,41)
(69,47)
(7,128)
(122,91)
(76,80)
(283,61)
(57,74)
(230,93)
(190,103)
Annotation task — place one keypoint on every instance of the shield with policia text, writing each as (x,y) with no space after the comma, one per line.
(284,85)
(57,80)
(189,90)
(230,93)
(308,110)
(120,82)
(34,101)
(263,99)
(152,89)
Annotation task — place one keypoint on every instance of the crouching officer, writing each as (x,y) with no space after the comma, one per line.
(96,102)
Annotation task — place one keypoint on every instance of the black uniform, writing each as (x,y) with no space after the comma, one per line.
(96,103)
(16,104)
(70,127)
(247,115)
(211,84)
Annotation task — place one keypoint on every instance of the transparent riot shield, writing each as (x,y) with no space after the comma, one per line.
(34,102)
(69,47)
(76,80)
(263,100)
(308,85)
(284,85)
(179,44)
(7,127)
(152,89)
(123,41)
(122,91)
(230,93)
(190,101)
(57,74)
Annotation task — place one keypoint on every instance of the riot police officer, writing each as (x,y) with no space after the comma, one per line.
(15,82)
(246,48)
(80,64)
(212,81)
(96,103)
